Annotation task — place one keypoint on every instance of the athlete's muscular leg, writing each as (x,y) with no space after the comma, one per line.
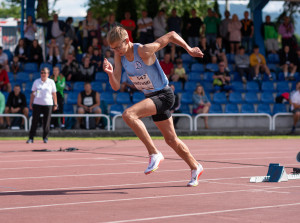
(132,117)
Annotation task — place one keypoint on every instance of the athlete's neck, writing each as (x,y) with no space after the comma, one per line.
(130,53)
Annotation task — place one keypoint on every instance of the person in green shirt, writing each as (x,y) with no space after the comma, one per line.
(211,22)
(60,82)
(2,107)
(270,34)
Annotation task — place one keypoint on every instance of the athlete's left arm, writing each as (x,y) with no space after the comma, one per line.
(148,50)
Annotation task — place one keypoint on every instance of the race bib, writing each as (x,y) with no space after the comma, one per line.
(142,82)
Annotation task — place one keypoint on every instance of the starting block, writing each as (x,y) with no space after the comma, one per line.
(276,173)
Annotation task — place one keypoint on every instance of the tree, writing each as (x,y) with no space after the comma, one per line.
(10,10)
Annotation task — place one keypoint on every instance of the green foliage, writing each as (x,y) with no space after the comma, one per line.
(126,6)
(152,7)
(10,10)
(217,9)
(102,8)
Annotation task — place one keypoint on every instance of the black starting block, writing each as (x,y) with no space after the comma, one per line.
(276,173)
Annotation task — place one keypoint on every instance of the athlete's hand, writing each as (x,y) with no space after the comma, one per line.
(107,67)
(195,52)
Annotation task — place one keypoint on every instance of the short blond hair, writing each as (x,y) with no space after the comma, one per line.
(117,33)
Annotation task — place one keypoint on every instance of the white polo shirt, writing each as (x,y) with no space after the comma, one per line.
(43,91)
(295,98)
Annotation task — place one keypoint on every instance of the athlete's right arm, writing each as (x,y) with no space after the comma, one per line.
(114,74)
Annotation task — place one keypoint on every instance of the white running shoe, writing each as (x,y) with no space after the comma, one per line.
(154,161)
(195,176)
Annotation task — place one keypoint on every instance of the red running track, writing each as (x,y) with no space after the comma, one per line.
(104,182)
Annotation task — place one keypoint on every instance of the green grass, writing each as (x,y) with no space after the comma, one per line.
(158,137)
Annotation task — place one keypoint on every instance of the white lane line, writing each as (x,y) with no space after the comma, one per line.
(126,185)
(121,173)
(126,199)
(206,213)
(43,160)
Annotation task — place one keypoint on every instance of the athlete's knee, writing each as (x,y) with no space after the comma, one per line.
(172,141)
(129,115)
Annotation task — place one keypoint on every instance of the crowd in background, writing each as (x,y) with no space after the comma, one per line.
(79,51)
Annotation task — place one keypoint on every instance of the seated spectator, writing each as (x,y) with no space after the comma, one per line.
(88,102)
(176,106)
(21,51)
(4,60)
(4,80)
(97,59)
(288,63)
(95,43)
(15,65)
(295,106)
(222,79)
(128,24)
(109,57)
(88,53)
(16,104)
(35,53)
(53,50)
(70,68)
(105,45)
(270,34)
(218,52)
(126,84)
(235,36)
(29,30)
(87,71)
(2,107)
(167,65)
(258,63)
(242,65)
(203,46)
(201,103)
(60,82)
(179,72)
(67,47)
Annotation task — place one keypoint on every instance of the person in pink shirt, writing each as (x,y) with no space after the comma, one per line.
(286,30)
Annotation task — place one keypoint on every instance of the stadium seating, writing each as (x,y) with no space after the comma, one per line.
(247,108)
(267,97)
(22,77)
(194,76)
(267,86)
(78,86)
(137,97)
(177,85)
(116,109)
(68,108)
(273,58)
(231,108)
(107,97)
(236,98)
(264,108)
(190,86)
(197,67)
(251,97)
(186,58)
(48,65)
(208,76)
(72,98)
(252,86)
(30,67)
(282,86)
(186,98)
(279,108)
(123,98)
(212,67)
(97,86)
(237,86)
(208,86)
(219,98)
(215,108)
(102,77)
(185,109)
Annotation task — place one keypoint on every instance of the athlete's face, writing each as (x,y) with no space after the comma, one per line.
(119,47)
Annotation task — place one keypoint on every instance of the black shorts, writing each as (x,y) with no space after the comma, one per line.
(296,110)
(164,100)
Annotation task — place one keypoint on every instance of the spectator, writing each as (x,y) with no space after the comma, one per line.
(234,29)
(242,64)
(42,101)
(223,29)
(105,45)
(95,43)
(159,29)
(286,30)
(211,22)
(4,60)
(205,50)
(60,83)
(70,68)
(35,53)
(89,53)
(193,29)
(111,23)
(87,70)
(15,65)
(70,31)
(108,56)
(145,28)
(247,31)
(97,59)
(88,102)
(288,63)
(79,35)
(218,52)
(179,72)
(21,51)
(258,63)
(176,106)
(53,49)
(167,65)
(89,27)
(174,22)
(68,47)
(2,107)
(128,24)
(16,104)
(30,29)
(201,103)
(55,30)
(222,79)
(269,32)
(4,80)
(298,59)
(295,106)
